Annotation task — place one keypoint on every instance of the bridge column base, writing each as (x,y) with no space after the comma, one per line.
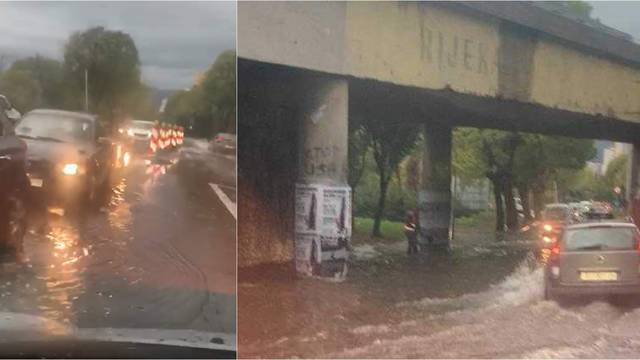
(322,197)
(434,200)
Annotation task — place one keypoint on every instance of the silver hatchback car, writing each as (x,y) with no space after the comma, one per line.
(599,258)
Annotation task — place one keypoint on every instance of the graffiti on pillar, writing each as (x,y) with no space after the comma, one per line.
(434,212)
(320,160)
(323,229)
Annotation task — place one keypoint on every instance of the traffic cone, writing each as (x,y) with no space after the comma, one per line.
(172,135)
(163,136)
(153,142)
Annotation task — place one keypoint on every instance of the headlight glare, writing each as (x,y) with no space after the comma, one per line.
(70,169)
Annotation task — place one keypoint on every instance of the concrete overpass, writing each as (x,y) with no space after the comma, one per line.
(305,68)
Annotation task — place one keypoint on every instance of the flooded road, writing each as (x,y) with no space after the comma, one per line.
(482,301)
(160,255)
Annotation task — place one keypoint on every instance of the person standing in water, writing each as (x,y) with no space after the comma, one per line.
(411,232)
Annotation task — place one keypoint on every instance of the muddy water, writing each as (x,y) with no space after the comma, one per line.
(483,301)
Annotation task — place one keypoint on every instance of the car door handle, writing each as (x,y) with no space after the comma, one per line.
(5,157)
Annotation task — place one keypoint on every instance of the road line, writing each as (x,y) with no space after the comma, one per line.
(231,206)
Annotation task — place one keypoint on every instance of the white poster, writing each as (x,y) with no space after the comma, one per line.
(323,223)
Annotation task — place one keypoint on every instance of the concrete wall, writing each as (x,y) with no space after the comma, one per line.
(433,46)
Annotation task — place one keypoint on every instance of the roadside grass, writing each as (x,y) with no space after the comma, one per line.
(393,231)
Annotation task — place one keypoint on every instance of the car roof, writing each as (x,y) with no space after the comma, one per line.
(601,224)
(82,115)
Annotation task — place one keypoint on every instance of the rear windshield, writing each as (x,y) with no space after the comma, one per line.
(556,213)
(600,238)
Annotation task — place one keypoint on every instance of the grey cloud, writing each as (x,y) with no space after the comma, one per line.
(621,15)
(176,40)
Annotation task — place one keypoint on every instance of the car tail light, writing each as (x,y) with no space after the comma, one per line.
(555,250)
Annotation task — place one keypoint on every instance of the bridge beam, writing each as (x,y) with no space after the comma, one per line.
(323,198)
(434,199)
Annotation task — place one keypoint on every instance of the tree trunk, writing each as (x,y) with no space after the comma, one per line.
(538,201)
(497,194)
(524,198)
(384,184)
(510,206)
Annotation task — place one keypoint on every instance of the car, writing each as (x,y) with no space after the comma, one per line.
(137,133)
(223,143)
(554,218)
(600,210)
(14,186)
(598,258)
(68,161)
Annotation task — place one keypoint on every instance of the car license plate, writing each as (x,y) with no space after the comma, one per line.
(598,276)
(36,182)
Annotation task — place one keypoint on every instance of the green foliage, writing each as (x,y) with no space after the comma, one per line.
(210,105)
(22,89)
(111,59)
(616,174)
(393,230)
(48,75)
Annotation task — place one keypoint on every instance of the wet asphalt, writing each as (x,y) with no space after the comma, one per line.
(160,254)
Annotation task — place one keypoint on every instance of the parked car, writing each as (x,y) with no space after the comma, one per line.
(14,186)
(67,159)
(223,143)
(594,258)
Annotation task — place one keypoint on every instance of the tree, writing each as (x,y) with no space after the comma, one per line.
(111,60)
(22,89)
(616,173)
(391,140)
(47,73)
(491,154)
(541,159)
(210,105)
(218,97)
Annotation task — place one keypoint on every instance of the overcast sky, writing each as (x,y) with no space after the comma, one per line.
(175,40)
(621,15)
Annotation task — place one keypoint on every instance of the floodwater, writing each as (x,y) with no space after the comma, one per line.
(481,301)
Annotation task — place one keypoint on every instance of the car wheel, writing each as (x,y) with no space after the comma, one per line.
(15,224)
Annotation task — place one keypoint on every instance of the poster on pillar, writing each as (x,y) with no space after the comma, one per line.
(323,225)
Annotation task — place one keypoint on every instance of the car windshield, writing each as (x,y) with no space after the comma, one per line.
(600,238)
(556,213)
(142,125)
(55,127)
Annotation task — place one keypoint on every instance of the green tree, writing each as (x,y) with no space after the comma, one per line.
(616,173)
(111,60)
(49,77)
(541,159)
(21,88)
(490,153)
(218,96)
(391,141)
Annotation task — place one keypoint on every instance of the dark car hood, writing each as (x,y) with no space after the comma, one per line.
(57,152)
(24,327)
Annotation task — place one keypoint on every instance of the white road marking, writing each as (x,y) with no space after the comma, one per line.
(231,206)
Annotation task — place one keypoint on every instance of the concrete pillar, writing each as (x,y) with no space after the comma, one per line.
(633,166)
(434,200)
(323,206)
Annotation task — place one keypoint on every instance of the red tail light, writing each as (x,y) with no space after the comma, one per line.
(555,250)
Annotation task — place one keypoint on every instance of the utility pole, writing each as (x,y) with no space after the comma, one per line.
(86,90)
